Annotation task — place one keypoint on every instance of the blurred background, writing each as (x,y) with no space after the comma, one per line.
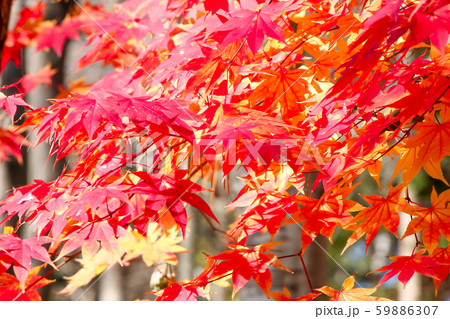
(325,264)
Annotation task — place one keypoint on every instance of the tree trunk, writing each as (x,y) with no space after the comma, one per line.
(405,246)
(110,284)
(5,9)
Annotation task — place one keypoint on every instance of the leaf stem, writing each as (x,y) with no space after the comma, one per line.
(214,228)
(234,56)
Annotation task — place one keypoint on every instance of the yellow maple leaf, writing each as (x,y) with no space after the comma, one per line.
(155,247)
(348,293)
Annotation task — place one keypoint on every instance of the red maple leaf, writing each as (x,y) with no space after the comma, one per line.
(90,237)
(172,192)
(11,288)
(246,263)
(216,5)
(44,76)
(24,31)
(270,216)
(23,199)
(22,250)
(406,266)
(11,143)
(55,36)
(442,270)
(431,21)
(9,103)
(321,216)
(176,291)
(251,25)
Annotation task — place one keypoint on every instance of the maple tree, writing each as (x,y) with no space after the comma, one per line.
(283,90)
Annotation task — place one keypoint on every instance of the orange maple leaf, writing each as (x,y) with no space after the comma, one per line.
(383,212)
(427,148)
(285,87)
(286,296)
(433,221)
(321,216)
(348,293)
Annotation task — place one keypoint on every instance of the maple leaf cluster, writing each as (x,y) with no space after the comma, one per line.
(281,89)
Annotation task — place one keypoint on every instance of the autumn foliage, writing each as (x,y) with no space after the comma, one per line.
(298,94)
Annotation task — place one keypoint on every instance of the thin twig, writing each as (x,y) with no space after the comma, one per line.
(69,258)
(306,272)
